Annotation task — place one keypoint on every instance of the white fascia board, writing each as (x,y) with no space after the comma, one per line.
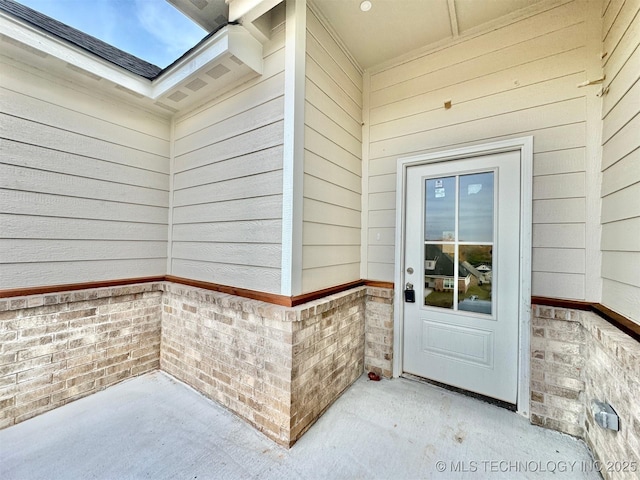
(232,39)
(246,48)
(249,9)
(208,52)
(71,54)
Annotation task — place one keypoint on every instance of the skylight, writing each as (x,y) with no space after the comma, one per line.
(152,30)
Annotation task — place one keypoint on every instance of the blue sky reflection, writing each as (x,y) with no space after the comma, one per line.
(475,208)
(440,211)
(149,29)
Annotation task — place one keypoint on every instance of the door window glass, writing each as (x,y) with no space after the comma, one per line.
(439,278)
(475,221)
(477,260)
(440,209)
(458,247)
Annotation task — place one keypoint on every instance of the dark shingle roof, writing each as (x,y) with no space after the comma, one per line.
(91,44)
(444,262)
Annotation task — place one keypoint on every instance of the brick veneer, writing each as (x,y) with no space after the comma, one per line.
(577,357)
(56,348)
(378,350)
(233,350)
(280,367)
(557,370)
(277,367)
(328,355)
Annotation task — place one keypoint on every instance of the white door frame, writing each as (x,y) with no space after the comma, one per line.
(524,145)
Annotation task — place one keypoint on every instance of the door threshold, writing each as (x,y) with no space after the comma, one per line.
(467,393)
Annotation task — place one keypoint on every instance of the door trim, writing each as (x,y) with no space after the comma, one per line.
(524,145)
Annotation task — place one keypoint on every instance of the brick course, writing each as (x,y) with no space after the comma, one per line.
(281,368)
(577,357)
(328,355)
(278,368)
(56,348)
(378,352)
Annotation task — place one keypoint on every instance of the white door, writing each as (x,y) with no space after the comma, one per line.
(462,258)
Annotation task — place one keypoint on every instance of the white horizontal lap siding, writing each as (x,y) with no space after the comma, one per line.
(227,183)
(84,184)
(513,81)
(332,186)
(621,159)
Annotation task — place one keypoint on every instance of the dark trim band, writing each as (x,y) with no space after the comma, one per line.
(23,292)
(621,322)
(617,320)
(240,292)
(561,303)
(378,284)
(268,297)
(311,296)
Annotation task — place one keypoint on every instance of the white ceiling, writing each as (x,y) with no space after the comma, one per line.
(395,27)
(391,28)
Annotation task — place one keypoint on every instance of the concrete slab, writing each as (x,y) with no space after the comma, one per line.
(155,427)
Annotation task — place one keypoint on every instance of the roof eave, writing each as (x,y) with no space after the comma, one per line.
(22,32)
(230,40)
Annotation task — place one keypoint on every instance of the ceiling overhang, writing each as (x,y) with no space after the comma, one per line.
(209,14)
(251,14)
(391,31)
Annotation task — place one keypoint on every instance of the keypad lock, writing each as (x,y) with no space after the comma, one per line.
(409,293)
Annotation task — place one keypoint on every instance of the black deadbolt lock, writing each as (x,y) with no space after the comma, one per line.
(409,294)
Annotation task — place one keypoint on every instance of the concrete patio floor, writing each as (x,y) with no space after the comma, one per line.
(155,427)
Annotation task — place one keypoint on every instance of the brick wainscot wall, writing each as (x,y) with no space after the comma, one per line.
(56,348)
(277,367)
(280,368)
(576,358)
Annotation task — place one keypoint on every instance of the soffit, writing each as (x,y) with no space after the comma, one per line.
(393,28)
(209,14)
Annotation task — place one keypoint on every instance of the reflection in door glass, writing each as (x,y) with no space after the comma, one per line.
(475,220)
(458,250)
(477,261)
(440,209)
(439,277)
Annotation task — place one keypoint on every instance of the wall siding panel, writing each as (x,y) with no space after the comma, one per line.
(227,183)
(23,227)
(559,161)
(39,158)
(28,179)
(620,159)
(332,164)
(84,185)
(250,231)
(516,80)
(555,19)
(20,275)
(621,236)
(249,277)
(52,138)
